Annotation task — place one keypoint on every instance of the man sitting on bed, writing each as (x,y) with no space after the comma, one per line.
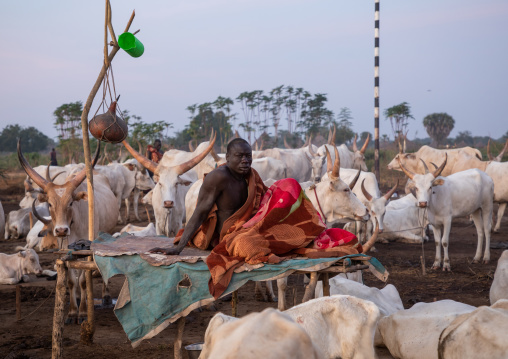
(224,192)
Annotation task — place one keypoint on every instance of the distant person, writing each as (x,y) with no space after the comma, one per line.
(154,153)
(53,157)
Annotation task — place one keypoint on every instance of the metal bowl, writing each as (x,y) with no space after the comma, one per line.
(194,350)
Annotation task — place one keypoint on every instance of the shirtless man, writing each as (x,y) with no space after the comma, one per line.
(226,186)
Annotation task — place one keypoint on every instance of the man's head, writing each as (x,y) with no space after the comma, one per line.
(53,149)
(239,156)
(157,144)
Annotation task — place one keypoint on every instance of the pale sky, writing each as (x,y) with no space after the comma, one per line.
(437,55)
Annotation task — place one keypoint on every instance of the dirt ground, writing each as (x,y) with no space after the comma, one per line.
(31,337)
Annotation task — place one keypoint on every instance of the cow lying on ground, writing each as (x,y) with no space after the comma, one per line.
(137,231)
(499,288)
(16,267)
(18,222)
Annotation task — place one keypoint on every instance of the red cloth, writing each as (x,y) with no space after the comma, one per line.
(333,237)
(155,155)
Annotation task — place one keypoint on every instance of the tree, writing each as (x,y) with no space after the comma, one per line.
(399,116)
(32,140)
(464,138)
(316,115)
(438,126)
(68,124)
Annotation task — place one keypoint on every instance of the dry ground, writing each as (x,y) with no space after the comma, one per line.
(31,337)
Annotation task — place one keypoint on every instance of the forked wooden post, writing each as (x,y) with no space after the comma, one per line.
(58,315)
(88,327)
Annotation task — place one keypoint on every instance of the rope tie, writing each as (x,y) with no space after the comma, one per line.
(313,187)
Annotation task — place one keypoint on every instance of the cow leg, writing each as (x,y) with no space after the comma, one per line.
(282,285)
(310,289)
(127,209)
(258,293)
(73,304)
(82,304)
(437,238)
(106,296)
(478,222)
(119,203)
(269,291)
(500,214)
(135,199)
(445,240)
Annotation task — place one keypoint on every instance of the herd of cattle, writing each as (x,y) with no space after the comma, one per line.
(341,189)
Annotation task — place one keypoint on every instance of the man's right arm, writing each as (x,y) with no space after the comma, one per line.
(212,187)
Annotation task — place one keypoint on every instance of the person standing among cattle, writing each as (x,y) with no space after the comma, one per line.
(53,157)
(154,153)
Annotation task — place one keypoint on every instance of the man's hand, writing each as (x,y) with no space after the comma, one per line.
(168,251)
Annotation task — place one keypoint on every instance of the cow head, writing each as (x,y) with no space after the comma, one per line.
(422,184)
(359,155)
(377,206)
(46,232)
(409,160)
(166,196)
(29,262)
(339,201)
(59,197)
(316,162)
(143,181)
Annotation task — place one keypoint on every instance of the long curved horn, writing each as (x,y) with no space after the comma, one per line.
(140,147)
(215,156)
(404,146)
(433,164)
(286,143)
(305,143)
(441,168)
(366,143)
(145,162)
(499,157)
(405,170)
(262,144)
(37,178)
(76,181)
(237,135)
(55,176)
(191,147)
(370,243)
(333,136)
(355,148)
(329,135)
(389,194)
(40,218)
(425,166)
(28,186)
(488,151)
(184,167)
(353,182)
(328,160)
(48,177)
(311,151)
(336,165)
(365,192)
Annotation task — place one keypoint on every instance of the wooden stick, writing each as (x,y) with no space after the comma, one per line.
(90,266)
(178,340)
(58,315)
(110,26)
(88,327)
(18,302)
(130,21)
(234,304)
(326,284)
(134,33)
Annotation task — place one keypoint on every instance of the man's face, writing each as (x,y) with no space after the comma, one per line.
(239,159)
(157,145)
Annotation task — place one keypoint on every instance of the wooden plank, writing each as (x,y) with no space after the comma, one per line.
(82,265)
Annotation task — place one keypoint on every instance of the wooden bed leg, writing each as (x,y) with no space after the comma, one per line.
(179,337)
(88,327)
(234,304)
(58,315)
(326,284)
(309,290)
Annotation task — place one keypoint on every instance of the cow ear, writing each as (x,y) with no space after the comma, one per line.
(410,156)
(186,183)
(130,166)
(42,197)
(438,182)
(43,233)
(22,254)
(81,195)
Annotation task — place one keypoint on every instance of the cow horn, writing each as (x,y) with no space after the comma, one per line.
(329,136)
(311,151)
(305,143)
(55,176)
(500,155)
(355,148)
(365,192)
(433,164)
(76,181)
(328,160)
(184,167)
(286,143)
(37,178)
(40,218)
(336,165)
(28,186)
(140,147)
(389,194)
(365,144)
(438,171)
(262,144)
(404,146)
(370,243)
(425,166)
(353,182)
(405,170)
(237,135)
(400,147)
(191,147)
(488,151)
(215,156)
(333,136)
(145,162)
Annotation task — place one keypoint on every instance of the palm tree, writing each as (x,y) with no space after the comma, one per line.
(438,126)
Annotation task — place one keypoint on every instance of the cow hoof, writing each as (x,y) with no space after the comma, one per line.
(373,249)
(274,299)
(476,261)
(447,269)
(486,261)
(81,319)
(71,319)
(107,301)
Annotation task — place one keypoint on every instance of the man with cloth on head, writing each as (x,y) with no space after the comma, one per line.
(244,222)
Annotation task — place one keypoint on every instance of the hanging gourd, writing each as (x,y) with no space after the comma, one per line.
(109,126)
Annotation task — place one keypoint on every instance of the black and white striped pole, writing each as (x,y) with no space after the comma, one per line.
(376,90)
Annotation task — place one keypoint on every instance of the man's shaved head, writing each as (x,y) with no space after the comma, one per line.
(235,142)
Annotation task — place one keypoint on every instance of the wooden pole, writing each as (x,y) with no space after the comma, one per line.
(376,90)
(18,302)
(179,337)
(309,290)
(326,284)
(58,315)
(234,304)
(88,327)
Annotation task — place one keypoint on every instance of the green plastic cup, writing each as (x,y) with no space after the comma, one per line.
(131,44)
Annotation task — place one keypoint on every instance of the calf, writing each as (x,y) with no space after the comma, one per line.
(16,267)
(458,195)
(499,288)
(18,222)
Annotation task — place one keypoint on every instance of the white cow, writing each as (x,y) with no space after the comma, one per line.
(429,155)
(16,267)
(69,217)
(414,333)
(269,334)
(348,159)
(386,299)
(296,160)
(54,174)
(268,167)
(499,288)
(479,334)
(148,231)
(458,195)
(18,222)
(143,183)
(168,197)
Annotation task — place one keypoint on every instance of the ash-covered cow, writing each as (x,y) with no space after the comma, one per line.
(348,159)
(18,222)
(69,216)
(458,195)
(16,267)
